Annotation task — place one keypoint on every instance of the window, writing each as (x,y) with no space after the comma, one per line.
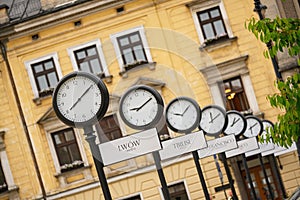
(44,73)
(108,129)
(177,191)
(3,185)
(88,60)
(131,48)
(211,21)
(89,57)
(212,24)
(136,197)
(235,95)
(67,149)
(45,76)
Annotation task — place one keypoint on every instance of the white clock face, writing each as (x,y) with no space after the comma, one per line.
(141,107)
(183,115)
(236,123)
(213,120)
(254,127)
(78,99)
(266,125)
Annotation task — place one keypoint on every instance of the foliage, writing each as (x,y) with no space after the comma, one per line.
(287,129)
(280,32)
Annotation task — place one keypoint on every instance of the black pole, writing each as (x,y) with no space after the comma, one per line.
(199,170)
(161,175)
(258,8)
(248,176)
(278,176)
(266,177)
(91,138)
(230,179)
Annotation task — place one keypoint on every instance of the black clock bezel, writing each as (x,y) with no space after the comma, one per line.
(197,121)
(222,110)
(104,99)
(260,124)
(235,112)
(159,112)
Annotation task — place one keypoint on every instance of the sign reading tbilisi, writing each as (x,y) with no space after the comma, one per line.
(181,145)
(244,146)
(262,148)
(130,146)
(218,145)
(278,150)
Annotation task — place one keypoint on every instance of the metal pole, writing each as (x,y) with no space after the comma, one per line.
(161,175)
(249,176)
(199,170)
(91,138)
(230,179)
(266,177)
(278,176)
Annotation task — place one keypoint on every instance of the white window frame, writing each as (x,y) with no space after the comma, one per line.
(205,6)
(141,31)
(131,195)
(58,126)
(98,44)
(28,64)
(176,182)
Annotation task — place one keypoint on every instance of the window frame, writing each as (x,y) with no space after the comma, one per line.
(97,42)
(175,183)
(141,31)
(28,65)
(206,6)
(56,126)
(131,195)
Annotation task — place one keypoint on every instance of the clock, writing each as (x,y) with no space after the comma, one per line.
(183,115)
(213,120)
(236,123)
(254,127)
(141,107)
(267,124)
(80,99)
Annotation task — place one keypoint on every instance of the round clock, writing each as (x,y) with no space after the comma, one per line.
(141,107)
(213,120)
(183,115)
(267,124)
(236,123)
(254,127)
(80,99)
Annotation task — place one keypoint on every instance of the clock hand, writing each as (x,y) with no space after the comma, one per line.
(234,122)
(253,125)
(177,114)
(212,120)
(138,108)
(81,97)
(185,110)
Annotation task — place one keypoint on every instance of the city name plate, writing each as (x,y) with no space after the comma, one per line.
(130,147)
(218,145)
(244,146)
(181,145)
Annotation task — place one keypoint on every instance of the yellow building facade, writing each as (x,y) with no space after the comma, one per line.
(179,47)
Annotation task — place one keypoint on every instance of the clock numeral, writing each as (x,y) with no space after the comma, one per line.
(64,94)
(75,82)
(83,116)
(61,104)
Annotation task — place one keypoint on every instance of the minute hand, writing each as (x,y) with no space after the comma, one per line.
(139,108)
(81,97)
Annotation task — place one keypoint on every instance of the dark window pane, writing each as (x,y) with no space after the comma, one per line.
(177,191)
(63,156)
(74,151)
(108,129)
(3,185)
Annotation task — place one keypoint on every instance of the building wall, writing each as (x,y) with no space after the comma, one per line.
(174,46)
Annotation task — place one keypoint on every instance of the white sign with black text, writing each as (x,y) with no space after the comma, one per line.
(130,147)
(262,148)
(218,145)
(181,145)
(244,146)
(278,150)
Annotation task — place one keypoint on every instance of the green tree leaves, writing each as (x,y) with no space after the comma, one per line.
(281,32)
(287,129)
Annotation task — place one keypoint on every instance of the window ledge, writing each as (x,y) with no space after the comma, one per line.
(217,44)
(11,193)
(74,176)
(106,78)
(47,93)
(132,67)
